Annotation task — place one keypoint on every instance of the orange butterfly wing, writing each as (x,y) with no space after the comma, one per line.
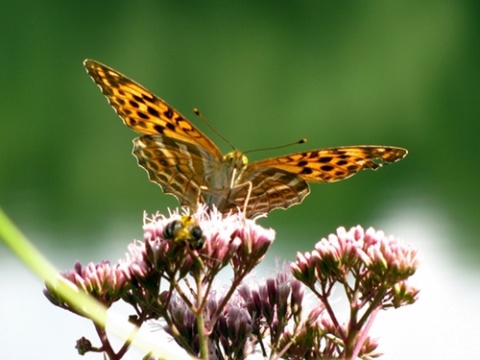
(280,182)
(143,111)
(334,164)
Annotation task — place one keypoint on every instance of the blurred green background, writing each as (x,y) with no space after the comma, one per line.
(263,74)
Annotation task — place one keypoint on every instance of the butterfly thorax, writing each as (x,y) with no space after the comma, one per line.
(232,166)
(224,181)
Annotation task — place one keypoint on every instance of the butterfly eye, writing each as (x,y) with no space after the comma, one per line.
(244,160)
(228,158)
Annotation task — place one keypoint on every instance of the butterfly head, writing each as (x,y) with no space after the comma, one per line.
(235,160)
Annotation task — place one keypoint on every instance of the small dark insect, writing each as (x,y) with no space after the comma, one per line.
(185,231)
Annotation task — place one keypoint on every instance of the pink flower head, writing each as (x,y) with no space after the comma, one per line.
(105,282)
(223,238)
(377,261)
(388,256)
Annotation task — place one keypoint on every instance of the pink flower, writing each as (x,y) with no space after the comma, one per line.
(103,281)
(377,260)
(224,238)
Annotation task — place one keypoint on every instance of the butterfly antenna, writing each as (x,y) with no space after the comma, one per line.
(197,112)
(301,141)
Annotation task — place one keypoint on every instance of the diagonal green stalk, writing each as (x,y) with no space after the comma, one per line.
(79,300)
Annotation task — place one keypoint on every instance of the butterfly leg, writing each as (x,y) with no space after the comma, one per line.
(236,195)
(247,198)
(249,191)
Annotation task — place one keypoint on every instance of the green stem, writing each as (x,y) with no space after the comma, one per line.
(202,336)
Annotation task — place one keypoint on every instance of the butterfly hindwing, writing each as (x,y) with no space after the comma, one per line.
(271,188)
(177,166)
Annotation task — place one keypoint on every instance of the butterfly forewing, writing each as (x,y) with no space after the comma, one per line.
(143,111)
(334,164)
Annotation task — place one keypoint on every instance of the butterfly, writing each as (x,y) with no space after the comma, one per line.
(184,162)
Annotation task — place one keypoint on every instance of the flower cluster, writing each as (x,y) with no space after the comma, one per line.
(157,272)
(104,282)
(371,268)
(380,266)
(169,277)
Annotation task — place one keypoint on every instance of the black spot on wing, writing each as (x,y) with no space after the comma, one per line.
(168,113)
(152,111)
(133,104)
(325,159)
(139,99)
(142,115)
(306,171)
(149,98)
(159,128)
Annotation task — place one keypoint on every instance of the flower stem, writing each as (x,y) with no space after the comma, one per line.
(202,336)
(106,346)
